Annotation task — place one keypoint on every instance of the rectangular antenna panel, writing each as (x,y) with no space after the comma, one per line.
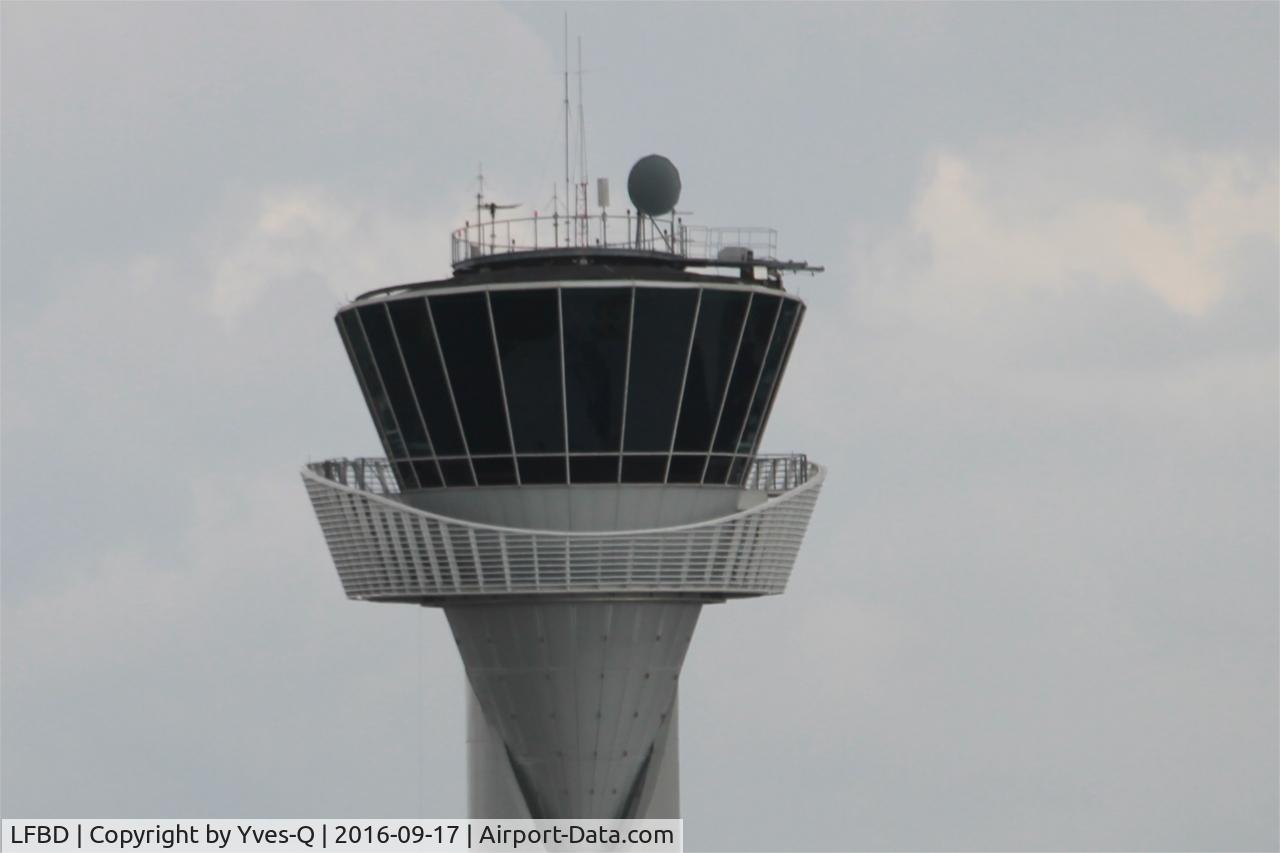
(602,192)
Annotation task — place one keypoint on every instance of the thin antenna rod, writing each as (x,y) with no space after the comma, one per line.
(479,204)
(582,122)
(566,113)
(582,156)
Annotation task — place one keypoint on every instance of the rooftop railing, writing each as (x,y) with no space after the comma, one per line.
(670,236)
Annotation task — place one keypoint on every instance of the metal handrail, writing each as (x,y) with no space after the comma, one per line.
(669,236)
(387,550)
(773,473)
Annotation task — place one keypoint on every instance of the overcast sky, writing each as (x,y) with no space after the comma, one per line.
(1037,607)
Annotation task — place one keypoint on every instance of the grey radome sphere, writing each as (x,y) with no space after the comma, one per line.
(654,185)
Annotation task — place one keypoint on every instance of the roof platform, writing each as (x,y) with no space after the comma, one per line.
(568,248)
(616,238)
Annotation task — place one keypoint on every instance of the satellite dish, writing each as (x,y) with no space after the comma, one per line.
(654,185)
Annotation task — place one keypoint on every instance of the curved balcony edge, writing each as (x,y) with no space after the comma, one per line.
(386,550)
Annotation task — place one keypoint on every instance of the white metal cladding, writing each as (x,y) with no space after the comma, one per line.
(387,550)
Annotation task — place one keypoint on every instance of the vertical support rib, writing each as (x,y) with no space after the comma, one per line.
(684,377)
(755,388)
(777,384)
(502,383)
(626,382)
(564,392)
(448,383)
(368,396)
(728,383)
(413,394)
(383,382)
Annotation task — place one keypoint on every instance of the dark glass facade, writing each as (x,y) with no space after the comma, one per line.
(571,384)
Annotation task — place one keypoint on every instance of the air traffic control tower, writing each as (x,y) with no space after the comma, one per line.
(572,424)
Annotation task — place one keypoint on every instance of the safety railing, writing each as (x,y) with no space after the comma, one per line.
(773,473)
(776,473)
(623,232)
(386,550)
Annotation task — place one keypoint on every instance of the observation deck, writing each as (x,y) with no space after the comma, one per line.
(388,550)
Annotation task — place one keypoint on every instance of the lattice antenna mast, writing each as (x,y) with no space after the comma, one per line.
(581,197)
(566,122)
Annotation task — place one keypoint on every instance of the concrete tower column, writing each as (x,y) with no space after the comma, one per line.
(494,794)
(577,703)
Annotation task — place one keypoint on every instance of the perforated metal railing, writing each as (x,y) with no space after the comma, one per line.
(386,550)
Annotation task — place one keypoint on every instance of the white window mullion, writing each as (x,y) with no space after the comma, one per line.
(385,393)
(777,382)
(448,383)
(502,385)
(684,377)
(733,366)
(626,382)
(413,393)
(755,388)
(564,391)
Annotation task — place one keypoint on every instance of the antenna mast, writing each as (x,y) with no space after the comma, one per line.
(479,204)
(566,119)
(580,198)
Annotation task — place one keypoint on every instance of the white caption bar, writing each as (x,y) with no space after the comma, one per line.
(290,836)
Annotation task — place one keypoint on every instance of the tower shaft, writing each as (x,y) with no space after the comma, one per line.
(581,696)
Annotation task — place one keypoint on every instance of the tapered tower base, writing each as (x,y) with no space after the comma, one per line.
(494,794)
(575,704)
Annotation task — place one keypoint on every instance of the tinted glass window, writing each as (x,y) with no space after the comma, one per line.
(362,360)
(644,469)
(462,324)
(542,469)
(377,330)
(404,471)
(779,346)
(717,469)
(746,369)
(593,469)
(428,474)
(396,445)
(595,353)
(528,327)
(660,333)
(418,345)
(457,472)
(720,318)
(494,472)
(687,468)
